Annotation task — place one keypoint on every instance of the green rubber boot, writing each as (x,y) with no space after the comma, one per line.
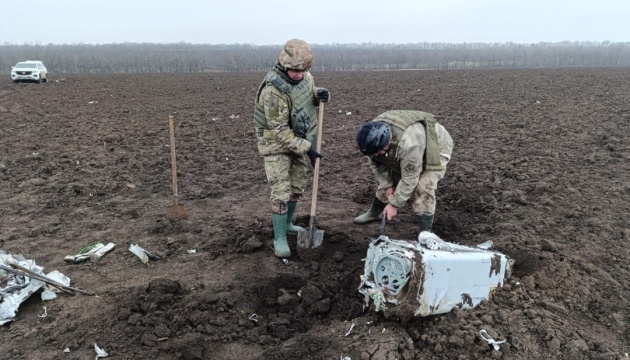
(373,214)
(426,222)
(291,228)
(280,245)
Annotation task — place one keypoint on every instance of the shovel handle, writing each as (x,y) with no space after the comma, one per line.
(383,222)
(318,147)
(171,130)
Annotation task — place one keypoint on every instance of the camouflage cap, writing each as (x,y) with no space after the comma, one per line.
(296,54)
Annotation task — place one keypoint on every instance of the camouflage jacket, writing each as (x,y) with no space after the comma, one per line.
(285,114)
(404,162)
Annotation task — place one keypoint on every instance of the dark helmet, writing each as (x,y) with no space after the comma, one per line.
(373,136)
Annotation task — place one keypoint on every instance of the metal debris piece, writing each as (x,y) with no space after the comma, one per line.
(100,353)
(44,314)
(142,253)
(486,245)
(495,344)
(350,330)
(48,294)
(20,285)
(439,274)
(94,252)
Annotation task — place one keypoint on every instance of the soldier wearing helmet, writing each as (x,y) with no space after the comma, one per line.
(408,152)
(285,115)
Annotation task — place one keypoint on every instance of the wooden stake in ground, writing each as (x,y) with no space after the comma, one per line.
(175,211)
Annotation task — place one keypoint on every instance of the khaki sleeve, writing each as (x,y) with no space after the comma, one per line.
(277,113)
(381,173)
(410,152)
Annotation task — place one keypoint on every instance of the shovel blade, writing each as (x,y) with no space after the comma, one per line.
(310,244)
(176,212)
(310,238)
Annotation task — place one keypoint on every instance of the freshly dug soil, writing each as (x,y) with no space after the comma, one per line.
(540,167)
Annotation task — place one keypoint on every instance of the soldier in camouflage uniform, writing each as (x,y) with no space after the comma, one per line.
(286,127)
(408,152)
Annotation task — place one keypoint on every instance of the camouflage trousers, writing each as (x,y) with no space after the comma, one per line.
(286,174)
(424,194)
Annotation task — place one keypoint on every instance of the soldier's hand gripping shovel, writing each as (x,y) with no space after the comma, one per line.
(175,211)
(310,240)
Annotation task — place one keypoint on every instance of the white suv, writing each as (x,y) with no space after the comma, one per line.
(30,70)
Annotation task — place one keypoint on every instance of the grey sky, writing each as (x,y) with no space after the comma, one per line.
(318,22)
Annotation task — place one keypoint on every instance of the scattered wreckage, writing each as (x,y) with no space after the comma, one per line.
(20,277)
(23,278)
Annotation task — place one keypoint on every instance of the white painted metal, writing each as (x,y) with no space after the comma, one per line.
(452,275)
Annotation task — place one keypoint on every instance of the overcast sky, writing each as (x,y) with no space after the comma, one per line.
(316,21)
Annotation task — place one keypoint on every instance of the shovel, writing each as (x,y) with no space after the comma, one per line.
(175,211)
(383,223)
(312,238)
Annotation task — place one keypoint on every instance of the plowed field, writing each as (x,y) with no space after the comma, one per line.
(540,166)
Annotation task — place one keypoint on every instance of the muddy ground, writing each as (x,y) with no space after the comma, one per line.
(540,167)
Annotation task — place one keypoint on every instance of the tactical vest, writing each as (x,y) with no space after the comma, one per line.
(303,113)
(399,121)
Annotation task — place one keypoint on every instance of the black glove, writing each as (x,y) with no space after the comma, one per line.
(313,155)
(322,94)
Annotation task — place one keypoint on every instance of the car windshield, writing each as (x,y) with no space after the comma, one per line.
(25,66)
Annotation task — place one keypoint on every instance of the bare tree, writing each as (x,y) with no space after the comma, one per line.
(190,58)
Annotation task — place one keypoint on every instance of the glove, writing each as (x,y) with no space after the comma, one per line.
(313,155)
(322,94)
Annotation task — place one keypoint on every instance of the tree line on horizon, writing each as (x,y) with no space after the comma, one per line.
(191,58)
